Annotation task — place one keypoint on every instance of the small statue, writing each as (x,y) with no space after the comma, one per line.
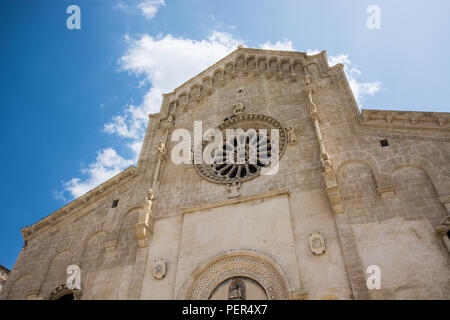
(236,291)
(444,227)
(149,199)
(233,190)
(161,148)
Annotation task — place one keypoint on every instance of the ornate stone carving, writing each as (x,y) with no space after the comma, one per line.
(408,119)
(162,149)
(149,200)
(170,120)
(237,264)
(233,190)
(316,243)
(146,219)
(249,141)
(62,290)
(292,137)
(443,230)
(236,290)
(444,226)
(387,192)
(159,268)
(238,109)
(73,281)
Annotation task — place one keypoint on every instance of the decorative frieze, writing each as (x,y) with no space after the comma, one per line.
(406,119)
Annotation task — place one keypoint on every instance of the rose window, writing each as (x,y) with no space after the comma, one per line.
(246,153)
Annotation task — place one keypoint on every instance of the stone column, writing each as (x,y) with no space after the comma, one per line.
(347,240)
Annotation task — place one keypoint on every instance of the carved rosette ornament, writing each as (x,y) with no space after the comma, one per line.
(251,142)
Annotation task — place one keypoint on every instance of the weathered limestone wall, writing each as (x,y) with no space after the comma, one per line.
(392,197)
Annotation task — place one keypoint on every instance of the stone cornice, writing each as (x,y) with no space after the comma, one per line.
(411,120)
(267,194)
(233,55)
(86,199)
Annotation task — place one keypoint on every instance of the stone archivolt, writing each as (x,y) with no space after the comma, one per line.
(238,263)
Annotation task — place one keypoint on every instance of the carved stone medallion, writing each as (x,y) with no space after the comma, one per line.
(159,268)
(316,243)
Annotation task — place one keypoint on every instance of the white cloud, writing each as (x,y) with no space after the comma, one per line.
(279,45)
(150,7)
(165,63)
(360,89)
(107,164)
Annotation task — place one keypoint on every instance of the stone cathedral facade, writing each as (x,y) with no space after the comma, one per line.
(358,194)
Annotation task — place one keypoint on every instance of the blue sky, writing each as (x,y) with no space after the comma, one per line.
(75,102)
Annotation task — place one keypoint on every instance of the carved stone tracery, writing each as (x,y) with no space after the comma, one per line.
(248,142)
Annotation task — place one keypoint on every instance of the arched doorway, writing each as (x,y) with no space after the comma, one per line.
(238,275)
